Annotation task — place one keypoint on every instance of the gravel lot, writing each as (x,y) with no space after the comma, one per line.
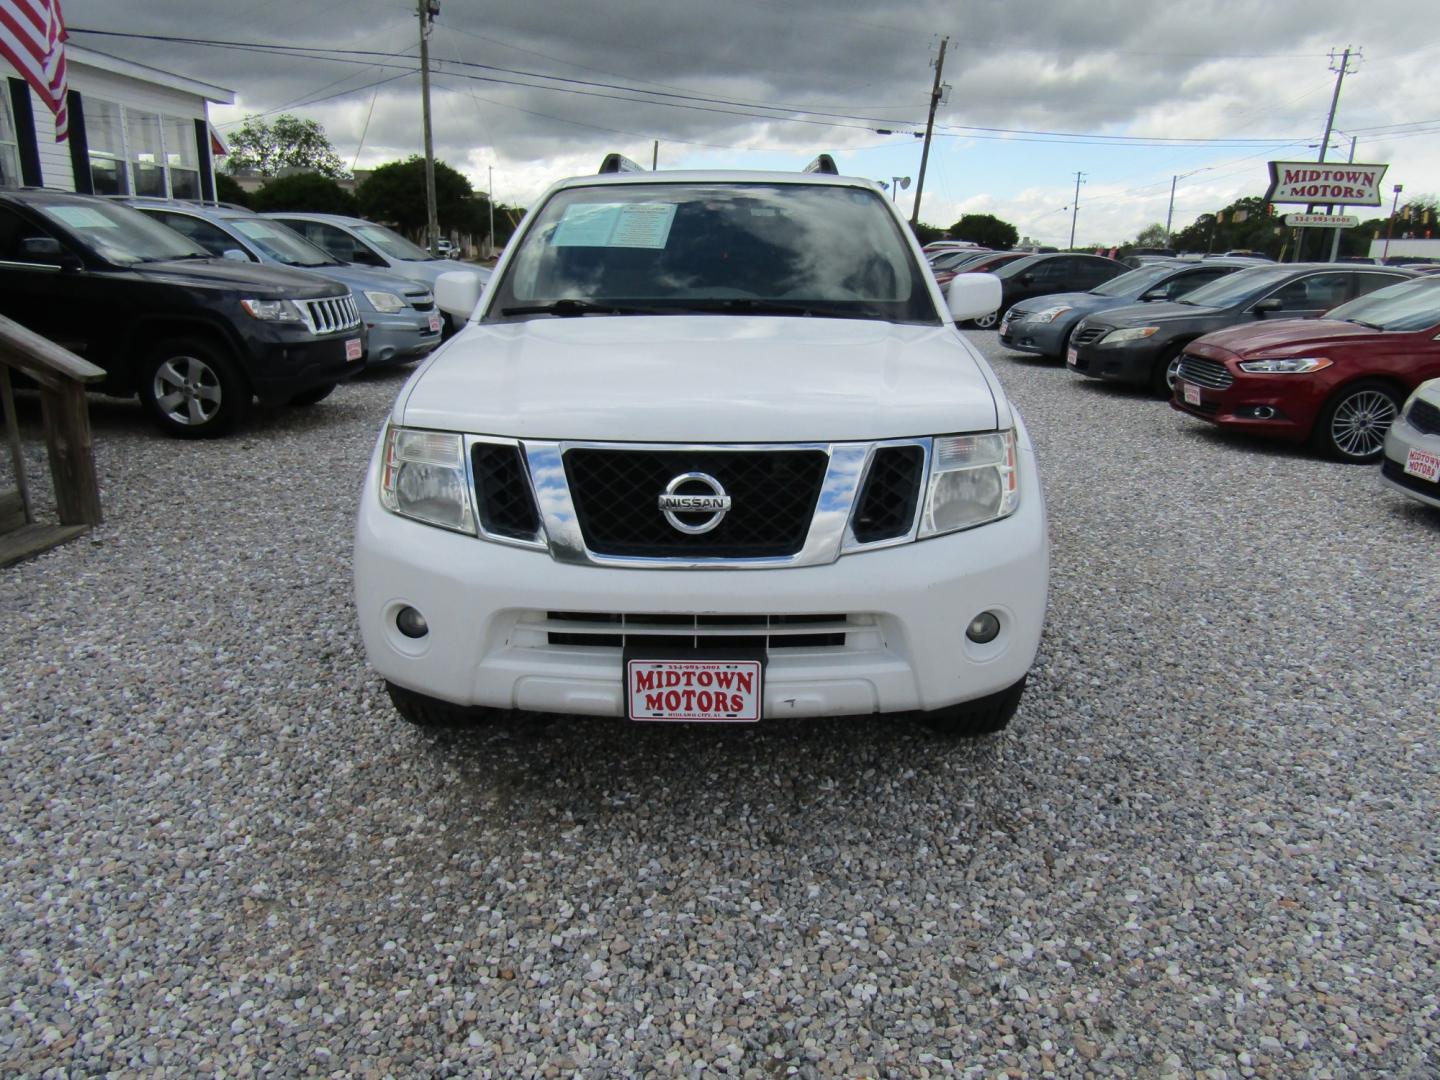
(1205,847)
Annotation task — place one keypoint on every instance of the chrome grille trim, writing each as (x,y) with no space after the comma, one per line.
(1088,335)
(537,629)
(331,314)
(1205,372)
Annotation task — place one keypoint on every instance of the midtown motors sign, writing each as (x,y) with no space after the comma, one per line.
(1309,182)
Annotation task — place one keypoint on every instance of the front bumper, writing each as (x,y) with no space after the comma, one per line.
(492,642)
(1399,441)
(405,335)
(1128,362)
(279,367)
(1268,405)
(1044,338)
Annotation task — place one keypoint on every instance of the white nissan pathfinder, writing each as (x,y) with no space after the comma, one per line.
(711,449)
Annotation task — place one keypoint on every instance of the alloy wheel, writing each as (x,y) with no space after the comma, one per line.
(187,390)
(1360,422)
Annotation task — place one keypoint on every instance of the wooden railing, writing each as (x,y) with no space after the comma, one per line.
(61,377)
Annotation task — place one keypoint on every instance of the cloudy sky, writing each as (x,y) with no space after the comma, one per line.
(1129,92)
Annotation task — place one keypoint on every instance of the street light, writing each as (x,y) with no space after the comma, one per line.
(1390,225)
(898,183)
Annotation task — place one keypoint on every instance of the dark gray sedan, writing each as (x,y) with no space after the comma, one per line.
(1141,344)
(1044,325)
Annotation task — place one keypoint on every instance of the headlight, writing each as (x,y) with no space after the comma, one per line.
(973,479)
(422,476)
(1134,333)
(1050,314)
(387,302)
(273,310)
(1298,365)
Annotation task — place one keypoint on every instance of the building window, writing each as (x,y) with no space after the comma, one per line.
(105,137)
(133,152)
(9,144)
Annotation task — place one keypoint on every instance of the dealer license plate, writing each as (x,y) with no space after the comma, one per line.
(1423,464)
(713,691)
(434,322)
(354,349)
(1005,325)
(1071,356)
(1191,393)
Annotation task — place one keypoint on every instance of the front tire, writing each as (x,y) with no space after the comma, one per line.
(983,716)
(193,389)
(428,712)
(1352,426)
(988,322)
(1165,372)
(314,395)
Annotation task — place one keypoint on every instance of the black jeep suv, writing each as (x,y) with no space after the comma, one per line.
(198,338)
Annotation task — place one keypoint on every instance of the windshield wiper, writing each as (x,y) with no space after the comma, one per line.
(1367,325)
(570,306)
(748,306)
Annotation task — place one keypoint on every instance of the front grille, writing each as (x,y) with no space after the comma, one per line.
(1088,336)
(332,314)
(1424,417)
(420,301)
(502,492)
(1393,470)
(1203,372)
(773,493)
(772,632)
(886,506)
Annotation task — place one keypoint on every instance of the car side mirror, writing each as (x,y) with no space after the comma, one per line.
(1270,303)
(45,249)
(235,255)
(457,292)
(365,257)
(1157,294)
(971,295)
(1027,279)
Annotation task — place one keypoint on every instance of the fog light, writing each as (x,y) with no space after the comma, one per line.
(983,628)
(413,625)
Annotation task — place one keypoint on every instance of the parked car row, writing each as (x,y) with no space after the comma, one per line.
(1342,357)
(199,310)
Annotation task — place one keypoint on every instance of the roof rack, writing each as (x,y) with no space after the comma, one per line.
(823,164)
(615,163)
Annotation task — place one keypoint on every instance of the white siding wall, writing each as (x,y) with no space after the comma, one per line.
(55,157)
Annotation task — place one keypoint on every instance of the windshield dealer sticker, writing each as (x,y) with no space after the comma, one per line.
(619,225)
(81,217)
(255,230)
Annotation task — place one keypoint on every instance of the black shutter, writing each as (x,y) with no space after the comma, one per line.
(79,145)
(25,133)
(207,175)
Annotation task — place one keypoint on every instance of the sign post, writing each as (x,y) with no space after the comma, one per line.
(1339,185)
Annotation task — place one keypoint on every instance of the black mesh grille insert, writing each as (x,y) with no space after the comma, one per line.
(1424,417)
(773,495)
(614,631)
(886,507)
(502,493)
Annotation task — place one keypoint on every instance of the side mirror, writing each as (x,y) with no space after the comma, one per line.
(234,255)
(1270,303)
(1156,294)
(969,296)
(458,291)
(44,249)
(365,257)
(1027,278)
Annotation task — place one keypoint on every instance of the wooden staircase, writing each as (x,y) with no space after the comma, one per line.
(61,377)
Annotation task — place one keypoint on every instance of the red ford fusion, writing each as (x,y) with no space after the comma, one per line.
(1338,382)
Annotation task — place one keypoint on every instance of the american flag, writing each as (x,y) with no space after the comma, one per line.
(32,36)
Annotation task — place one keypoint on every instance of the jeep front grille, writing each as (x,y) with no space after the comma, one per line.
(331,315)
(774,492)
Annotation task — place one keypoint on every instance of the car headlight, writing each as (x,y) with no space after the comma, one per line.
(1050,314)
(273,310)
(386,302)
(1134,333)
(1296,365)
(422,476)
(973,479)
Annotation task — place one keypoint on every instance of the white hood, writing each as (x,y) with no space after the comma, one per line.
(680,378)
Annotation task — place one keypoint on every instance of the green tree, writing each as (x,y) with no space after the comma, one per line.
(228,190)
(395,193)
(306,192)
(1245,224)
(987,230)
(1152,236)
(926,233)
(266,148)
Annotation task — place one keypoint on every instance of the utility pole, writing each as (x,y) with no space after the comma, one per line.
(929,128)
(427,10)
(1340,73)
(655,156)
(490,199)
(1390,225)
(1335,243)
(1075,207)
(1170,214)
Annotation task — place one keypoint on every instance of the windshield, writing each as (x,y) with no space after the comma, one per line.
(797,249)
(1017,267)
(1405,308)
(393,244)
(281,244)
(1135,283)
(1239,287)
(950,260)
(121,235)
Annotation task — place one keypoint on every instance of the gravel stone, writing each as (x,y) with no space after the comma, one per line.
(1205,847)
